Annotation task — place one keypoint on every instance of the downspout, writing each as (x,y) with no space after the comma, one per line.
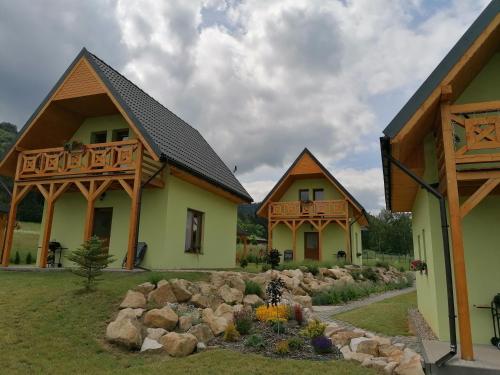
(163,160)
(363,212)
(387,159)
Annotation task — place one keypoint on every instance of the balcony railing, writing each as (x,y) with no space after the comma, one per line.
(307,209)
(90,159)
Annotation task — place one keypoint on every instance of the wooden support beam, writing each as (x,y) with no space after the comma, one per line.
(478,196)
(89,219)
(134,212)
(49,216)
(460,274)
(294,240)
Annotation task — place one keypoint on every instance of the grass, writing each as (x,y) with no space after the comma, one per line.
(389,317)
(26,241)
(48,328)
(400,262)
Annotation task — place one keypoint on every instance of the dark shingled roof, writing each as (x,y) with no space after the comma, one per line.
(443,69)
(179,142)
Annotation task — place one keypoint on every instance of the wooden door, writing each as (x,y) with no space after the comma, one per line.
(311,245)
(102,224)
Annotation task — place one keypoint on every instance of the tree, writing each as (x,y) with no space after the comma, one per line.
(91,258)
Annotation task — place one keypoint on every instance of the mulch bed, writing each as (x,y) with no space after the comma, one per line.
(271,338)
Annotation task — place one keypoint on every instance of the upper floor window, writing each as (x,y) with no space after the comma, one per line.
(304,194)
(98,137)
(194,231)
(120,135)
(318,194)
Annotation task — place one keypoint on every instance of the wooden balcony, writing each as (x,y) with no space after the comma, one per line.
(90,160)
(308,209)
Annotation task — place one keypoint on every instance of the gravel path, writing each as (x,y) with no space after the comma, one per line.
(326,314)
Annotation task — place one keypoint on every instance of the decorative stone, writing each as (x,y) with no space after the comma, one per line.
(230,295)
(253,300)
(201,346)
(125,332)
(368,347)
(216,323)
(145,288)
(151,345)
(390,351)
(163,294)
(155,333)
(178,344)
(360,357)
(356,341)
(305,301)
(161,318)
(200,300)
(237,282)
(185,322)
(225,311)
(129,313)
(332,328)
(344,337)
(202,332)
(375,363)
(382,340)
(389,368)
(180,287)
(133,300)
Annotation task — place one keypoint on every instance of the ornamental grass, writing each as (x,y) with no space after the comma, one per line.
(266,313)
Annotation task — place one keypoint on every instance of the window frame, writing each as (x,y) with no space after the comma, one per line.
(93,136)
(300,195)
(318,190)
(114,136)
(198,248)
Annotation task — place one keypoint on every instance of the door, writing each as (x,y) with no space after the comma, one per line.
(102,224)
(311,245)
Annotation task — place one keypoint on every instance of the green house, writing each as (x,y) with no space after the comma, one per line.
(113,162)
(311,216)
(448,135)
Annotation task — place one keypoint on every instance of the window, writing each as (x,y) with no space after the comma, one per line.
(303,194)
(120,135)
(98,137)
(194,231)
(318,194)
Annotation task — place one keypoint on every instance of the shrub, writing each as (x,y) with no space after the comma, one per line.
(295,343)
(370,274)
(322,344)
(29,259)
(278,325)
(255,341)
(314,329)
(273,258)
(251,287)
(298,314)
(154,278)
(281,347)
(313,268)
(266,313)
(17,258)
(243,263)
(230,333)
(243,320)
(265,267)
(91,258)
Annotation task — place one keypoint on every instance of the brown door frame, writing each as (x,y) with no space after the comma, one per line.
(306,248)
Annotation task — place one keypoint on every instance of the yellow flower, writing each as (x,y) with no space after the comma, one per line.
(265,313)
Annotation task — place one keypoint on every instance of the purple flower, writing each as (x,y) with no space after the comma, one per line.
(322,344)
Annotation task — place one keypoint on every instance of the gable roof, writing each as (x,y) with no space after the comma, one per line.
(442,70)
(168,135)
(323,170)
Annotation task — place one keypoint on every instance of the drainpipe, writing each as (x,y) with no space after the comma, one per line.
(163,160)
(363,212)
(387,159)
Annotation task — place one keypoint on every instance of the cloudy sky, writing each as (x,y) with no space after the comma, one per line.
(260,79)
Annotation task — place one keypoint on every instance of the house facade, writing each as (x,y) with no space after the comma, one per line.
(311,216)
(448,135)
(113,162)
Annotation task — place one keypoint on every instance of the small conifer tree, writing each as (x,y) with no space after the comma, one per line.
(29,259)
(17,258)
(90,258)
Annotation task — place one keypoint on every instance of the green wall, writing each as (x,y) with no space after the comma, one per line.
(162,222)
(485,86)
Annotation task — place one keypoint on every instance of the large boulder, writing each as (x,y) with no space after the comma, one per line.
(155,333)
(129,313)
(125,332)
(178,344)
(410,364)
(225,311)
(230,295)
(202,332)
(133,300)
(368,347)
(163,294)
(356,341)
(161,318)
(333,328)
(217,324)
(150,345)
(236,282)
(305,301)
(145,288)
(252,300)
(180,287)
(185,322)
(200,300)
(344,337)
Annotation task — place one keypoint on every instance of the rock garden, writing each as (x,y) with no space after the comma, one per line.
(268,313)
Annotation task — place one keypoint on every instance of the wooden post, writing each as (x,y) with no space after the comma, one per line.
(89,219)
(49,216)
(134,211)
(456,236)
(269,229)
(320,242)
(294,240)
(11,223)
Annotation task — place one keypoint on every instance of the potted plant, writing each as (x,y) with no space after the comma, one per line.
(418,265)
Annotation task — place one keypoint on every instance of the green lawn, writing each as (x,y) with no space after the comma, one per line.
(389,317)
(25,241)
(47,328)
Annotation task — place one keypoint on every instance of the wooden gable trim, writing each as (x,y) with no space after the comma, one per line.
(80,82)
(61,91)
(203,184)
(471,56)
